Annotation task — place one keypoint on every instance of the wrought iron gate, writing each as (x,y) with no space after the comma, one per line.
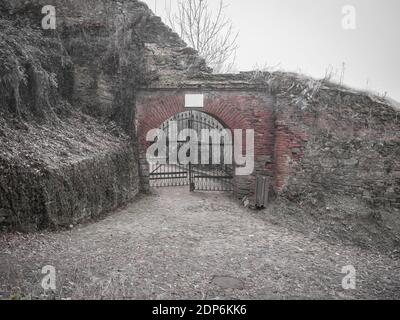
(197,176)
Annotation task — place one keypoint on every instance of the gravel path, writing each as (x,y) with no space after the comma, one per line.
(177,245)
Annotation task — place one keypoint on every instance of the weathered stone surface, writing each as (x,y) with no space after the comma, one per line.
(313,138)
(90,65)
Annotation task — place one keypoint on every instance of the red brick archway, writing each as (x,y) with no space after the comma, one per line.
(236,110)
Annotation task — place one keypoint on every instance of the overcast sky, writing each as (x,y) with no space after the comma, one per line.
(308,36)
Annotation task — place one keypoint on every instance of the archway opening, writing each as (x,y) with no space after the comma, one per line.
(192,149)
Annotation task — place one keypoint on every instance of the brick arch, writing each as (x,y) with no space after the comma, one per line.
(244,112)
(154,111)
(226,113)
(236,110)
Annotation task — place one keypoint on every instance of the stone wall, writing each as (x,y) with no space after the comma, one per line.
(62,179)
(338,140)
(67,130)
(336,143)
(313,138)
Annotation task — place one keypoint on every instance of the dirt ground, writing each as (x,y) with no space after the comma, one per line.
(177,245)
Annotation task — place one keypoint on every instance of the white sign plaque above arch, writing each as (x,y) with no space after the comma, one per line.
(194,100)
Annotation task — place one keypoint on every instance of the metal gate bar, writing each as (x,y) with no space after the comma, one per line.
(199,177)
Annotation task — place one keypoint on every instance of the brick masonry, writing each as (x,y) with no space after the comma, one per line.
(235,109)
(335,142)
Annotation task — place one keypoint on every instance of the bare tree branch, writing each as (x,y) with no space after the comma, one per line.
(209,32)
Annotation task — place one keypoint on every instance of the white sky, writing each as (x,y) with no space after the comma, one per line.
(307,36)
